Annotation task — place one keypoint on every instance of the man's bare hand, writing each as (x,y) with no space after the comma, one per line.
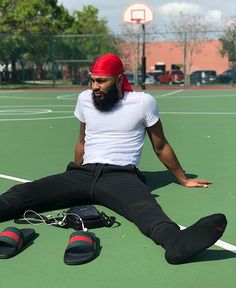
(196,183)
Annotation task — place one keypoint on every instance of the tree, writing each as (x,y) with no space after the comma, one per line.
(33,17)
(33,32)
(86,39)
(132,38)
(228,40)
(97,38)
(23,18)
(189,32)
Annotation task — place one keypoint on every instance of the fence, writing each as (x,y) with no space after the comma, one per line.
(65,59)
(49,60)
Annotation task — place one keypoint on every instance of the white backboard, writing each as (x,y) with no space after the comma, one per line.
(138,13)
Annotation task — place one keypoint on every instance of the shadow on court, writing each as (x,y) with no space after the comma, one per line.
(159,179)
(212,255)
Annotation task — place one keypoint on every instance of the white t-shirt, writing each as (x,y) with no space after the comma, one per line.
(117,136)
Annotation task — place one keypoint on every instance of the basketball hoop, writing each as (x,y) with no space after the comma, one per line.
(138,13)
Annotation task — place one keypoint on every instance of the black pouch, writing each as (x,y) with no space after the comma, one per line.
(87,216)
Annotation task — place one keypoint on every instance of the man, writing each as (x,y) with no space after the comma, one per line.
(113,123)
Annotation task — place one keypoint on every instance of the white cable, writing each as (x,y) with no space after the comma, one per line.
(81,220)
(56,222)
(42,220)
(33,212)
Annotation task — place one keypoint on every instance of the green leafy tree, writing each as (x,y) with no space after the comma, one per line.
(33,17)
(26,26)
(87,38)
(23,18)
(228,40)
(96,38)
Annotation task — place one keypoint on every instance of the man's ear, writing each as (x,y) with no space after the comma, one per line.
(120,80)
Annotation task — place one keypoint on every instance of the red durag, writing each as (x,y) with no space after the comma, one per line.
(110,65)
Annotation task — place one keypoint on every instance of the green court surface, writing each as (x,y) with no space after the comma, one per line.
(38,134)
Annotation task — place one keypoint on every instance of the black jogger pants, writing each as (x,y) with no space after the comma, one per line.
(117,187)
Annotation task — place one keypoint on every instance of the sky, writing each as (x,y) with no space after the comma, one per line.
(214,10)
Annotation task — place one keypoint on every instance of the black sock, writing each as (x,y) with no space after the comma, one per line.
(198,237)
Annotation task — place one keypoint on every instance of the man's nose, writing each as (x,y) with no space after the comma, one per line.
(95,85)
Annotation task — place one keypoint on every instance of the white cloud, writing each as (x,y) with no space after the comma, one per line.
(173,9)
(165,10)
(214,16)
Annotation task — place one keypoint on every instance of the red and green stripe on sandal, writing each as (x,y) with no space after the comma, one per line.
(82,248)
(14,240)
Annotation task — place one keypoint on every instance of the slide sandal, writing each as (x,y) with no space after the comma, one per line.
(14,240)
(81,248)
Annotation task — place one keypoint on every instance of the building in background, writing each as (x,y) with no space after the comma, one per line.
(163,55)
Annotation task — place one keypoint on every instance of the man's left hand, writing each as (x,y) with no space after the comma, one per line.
(197,183)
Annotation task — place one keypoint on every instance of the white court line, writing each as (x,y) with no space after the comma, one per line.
(60,97)
(197,113)
(11,91)
(190,97)
(14,178)
(24,98)
(170,93)
(21,111)
(72,96)
(219,243)
(32,119)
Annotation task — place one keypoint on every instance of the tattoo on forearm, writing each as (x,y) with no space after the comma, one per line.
(81,138)
(82,134)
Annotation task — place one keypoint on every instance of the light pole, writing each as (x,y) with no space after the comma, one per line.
(143,71)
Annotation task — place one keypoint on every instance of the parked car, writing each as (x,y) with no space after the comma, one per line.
(156,75)
(229,76)
(148,81)
(172,77)
(130,77)
(203,77)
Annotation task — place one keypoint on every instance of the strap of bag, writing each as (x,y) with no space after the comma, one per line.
(108,221)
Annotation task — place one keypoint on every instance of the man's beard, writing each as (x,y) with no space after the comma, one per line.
(106,101)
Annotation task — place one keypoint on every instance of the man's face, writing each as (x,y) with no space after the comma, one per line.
(105,92)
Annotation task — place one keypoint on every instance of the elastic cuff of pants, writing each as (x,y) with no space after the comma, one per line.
(164,232)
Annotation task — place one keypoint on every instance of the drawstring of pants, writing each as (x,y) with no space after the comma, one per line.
(97,173)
